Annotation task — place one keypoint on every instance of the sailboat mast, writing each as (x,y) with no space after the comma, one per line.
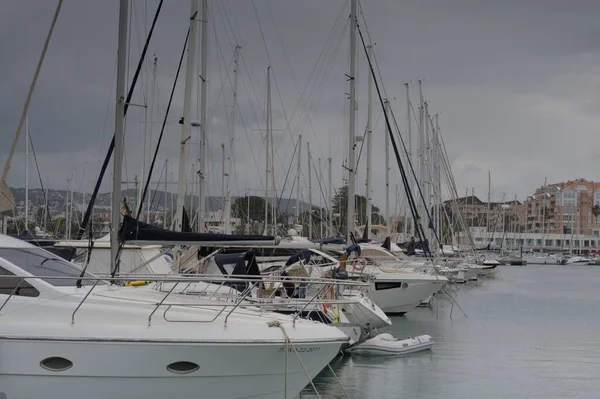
(544,213)
(119,130)
(352,122)
(150,116)
(298,177)
(202,164)
(410,154)
(369,132)
(187,108)
(232,138)
(388,227)
(26,173)
(330,194)
(310,206)
(268,152)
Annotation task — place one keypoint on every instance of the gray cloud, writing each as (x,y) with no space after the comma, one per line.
(515,83)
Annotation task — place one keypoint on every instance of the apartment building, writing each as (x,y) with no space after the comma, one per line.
(571,207)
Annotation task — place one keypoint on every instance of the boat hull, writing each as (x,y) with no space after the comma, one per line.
(384,347)
(405,298)
(139,370)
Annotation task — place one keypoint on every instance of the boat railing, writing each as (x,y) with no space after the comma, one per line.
(330,292)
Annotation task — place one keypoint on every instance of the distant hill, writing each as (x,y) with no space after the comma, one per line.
(57,200)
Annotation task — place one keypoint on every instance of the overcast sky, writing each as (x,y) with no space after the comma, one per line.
(516,84)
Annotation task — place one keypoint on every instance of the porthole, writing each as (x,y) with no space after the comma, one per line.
(182,367)
(404,285)
(56,363)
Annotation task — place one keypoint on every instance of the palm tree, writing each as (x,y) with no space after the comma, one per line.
(596,212)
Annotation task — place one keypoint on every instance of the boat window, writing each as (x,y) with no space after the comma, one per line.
(8,284)
(387,286)
(44,264)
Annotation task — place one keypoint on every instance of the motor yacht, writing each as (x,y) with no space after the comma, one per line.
(76,335)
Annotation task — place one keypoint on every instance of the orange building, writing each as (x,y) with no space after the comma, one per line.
(571,207)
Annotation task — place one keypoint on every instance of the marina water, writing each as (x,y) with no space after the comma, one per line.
(530,332)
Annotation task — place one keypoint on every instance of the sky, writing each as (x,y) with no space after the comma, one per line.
(516,85)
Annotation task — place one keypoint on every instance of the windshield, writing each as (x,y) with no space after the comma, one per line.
(43,263)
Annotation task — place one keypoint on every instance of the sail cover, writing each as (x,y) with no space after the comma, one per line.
(138,232)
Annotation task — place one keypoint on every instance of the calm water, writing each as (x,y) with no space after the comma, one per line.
(531,332)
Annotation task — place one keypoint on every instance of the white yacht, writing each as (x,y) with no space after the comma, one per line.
(395,287)
(578,260)
(78,335)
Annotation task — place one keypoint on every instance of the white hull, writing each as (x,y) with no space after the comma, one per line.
(365,313)
(402,300)
(139,370)
(378,346)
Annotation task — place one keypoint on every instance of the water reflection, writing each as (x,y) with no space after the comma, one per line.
(530,332)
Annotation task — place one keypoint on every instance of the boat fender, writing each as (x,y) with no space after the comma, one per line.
(136,283)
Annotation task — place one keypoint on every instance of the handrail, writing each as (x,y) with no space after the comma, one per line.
(160,303)
(12,292)
(308,303)
(223,300)
(248,291)
(83,300)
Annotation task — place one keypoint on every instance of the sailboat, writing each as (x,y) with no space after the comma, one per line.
(76,333)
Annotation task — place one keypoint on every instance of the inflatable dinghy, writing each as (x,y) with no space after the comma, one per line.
(386,345)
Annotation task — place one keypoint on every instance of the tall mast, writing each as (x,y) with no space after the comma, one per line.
(421,151)
(26,173)
(150,116)
(487,222)
(427,176)
(83,188)
(202,169)
(119,130)
(267,151)
(352,126)
(187,108)
(438,175)
(310,203)
(388,226)
(166,188)
(369,132)
(410,154)
(330,195)
(298,177)
(223,173)
(544,213)
(320,180)
(232,138)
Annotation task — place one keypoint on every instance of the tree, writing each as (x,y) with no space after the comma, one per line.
(255,206)
(340,206)
(596,212)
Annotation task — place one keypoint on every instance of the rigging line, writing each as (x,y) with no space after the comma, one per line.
(156,189)
(288,174)
(37,166)
(321,190)
(162,130)
(322,67)
(272,69)
(228,77)
(30,92)
(426,207)
(414,211)
(88,212)
(300,101)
